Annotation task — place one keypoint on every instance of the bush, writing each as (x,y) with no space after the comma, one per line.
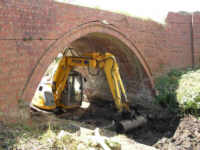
(188,91)
(179,88)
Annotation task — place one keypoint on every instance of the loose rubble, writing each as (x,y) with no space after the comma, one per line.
(186,137)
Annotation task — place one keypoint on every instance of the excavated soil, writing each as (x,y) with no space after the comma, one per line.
(164,130)
(186,136)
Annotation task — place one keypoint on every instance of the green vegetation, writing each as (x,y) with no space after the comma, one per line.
(179,90)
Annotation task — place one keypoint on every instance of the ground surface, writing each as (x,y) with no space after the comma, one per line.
(164,131)
(186,136)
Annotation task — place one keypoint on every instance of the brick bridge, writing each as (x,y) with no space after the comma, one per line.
(32,33)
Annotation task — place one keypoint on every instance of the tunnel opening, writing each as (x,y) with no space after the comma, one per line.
(134,77)
(136,82)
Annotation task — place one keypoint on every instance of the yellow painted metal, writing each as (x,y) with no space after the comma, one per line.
(38,100)
(111,70)
(60,78)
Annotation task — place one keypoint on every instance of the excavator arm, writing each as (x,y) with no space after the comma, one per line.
(114,80)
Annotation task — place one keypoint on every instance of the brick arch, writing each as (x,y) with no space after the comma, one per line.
(65,40)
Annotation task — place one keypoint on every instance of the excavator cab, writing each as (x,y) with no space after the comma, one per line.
(72,94)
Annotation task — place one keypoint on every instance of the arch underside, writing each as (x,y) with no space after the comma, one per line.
(97,37)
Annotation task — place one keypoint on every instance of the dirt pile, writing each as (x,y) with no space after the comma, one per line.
(186,136)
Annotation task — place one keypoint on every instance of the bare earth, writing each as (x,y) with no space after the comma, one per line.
(164,131)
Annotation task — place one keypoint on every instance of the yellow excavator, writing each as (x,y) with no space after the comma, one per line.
(49,93)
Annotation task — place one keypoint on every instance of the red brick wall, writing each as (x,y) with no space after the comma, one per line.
(33,32)
(196,36)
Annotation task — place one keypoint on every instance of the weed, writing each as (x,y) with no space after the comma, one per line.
(25,39)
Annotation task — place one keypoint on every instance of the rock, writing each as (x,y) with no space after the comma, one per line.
(85,132)
(91,148)
(81,146)
(61,134)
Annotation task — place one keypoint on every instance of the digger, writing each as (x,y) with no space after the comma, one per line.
(49,93)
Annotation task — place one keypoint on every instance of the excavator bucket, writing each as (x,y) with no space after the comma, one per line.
(127,125)
(127,121)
